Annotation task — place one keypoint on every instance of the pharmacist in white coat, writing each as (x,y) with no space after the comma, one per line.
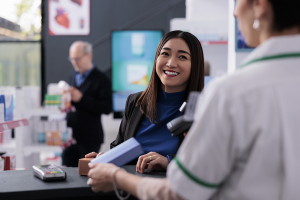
(245,141)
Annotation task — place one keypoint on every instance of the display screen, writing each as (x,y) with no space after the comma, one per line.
(133,53)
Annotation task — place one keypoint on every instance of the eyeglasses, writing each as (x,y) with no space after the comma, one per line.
(76,59)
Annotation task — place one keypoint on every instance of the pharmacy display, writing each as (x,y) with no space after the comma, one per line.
(133,53)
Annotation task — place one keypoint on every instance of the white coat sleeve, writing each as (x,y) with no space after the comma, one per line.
(156,188)
(206,155)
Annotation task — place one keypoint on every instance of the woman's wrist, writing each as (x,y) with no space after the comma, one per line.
(114,175)
(119,194)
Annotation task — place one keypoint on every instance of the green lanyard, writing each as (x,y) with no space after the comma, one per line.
(273,57)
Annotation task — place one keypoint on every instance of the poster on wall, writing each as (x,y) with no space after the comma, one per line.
(69,17)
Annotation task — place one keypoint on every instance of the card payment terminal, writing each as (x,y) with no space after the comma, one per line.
(49,172)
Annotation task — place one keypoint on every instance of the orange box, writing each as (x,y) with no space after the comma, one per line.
(83,167)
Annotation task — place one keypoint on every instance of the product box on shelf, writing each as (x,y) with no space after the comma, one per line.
(50,158)
(5,136)
(2,107)
(52,132)
(9,107)
(8,162)
(58,96)
(7,99)
(1,164)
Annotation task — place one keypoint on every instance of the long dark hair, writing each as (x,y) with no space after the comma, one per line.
(286,14)
(147,100)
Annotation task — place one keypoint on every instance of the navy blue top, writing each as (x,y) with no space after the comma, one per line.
(80,78)
(157,137)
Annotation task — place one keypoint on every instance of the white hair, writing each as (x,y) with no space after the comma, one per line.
(86,46)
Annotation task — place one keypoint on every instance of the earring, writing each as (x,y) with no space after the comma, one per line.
(256,24)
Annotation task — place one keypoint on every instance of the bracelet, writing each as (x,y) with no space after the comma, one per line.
(117,192)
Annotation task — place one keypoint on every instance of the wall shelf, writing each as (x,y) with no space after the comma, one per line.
(221,42)
(22,145)
(41,148)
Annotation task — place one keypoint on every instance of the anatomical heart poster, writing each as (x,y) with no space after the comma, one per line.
(69,17)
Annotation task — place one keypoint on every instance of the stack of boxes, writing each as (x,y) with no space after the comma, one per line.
(6,112)
(53,132)
(58,97)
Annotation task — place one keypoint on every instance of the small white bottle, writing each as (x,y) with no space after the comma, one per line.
(65,96)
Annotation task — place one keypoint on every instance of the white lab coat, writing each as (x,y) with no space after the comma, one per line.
(245,141)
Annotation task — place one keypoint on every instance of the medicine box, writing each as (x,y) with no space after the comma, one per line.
(121,154)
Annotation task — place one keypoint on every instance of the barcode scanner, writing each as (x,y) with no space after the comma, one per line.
(183,123)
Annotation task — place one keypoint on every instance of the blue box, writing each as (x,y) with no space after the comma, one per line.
(2,107)
(9,107)
(121,154)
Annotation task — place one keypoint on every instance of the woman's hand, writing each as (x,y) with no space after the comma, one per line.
(93,154)
(151,161)
(101,176)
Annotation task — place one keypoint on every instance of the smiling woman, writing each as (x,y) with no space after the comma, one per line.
(178,69)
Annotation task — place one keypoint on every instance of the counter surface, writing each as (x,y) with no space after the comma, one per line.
(24,185)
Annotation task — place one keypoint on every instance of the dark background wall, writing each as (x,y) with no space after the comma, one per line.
(106,15)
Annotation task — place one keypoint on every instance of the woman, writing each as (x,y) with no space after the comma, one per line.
(248,147)
(178,69)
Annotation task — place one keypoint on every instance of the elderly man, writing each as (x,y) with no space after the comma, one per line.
(91,97)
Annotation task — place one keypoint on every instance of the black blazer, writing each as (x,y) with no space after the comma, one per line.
(130,121)
(96,100)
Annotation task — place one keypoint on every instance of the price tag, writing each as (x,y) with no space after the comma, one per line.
(5,127)
(21,123)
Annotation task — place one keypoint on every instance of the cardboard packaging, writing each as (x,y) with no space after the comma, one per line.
(83,168)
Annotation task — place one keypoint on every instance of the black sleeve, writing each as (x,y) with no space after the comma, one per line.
(130,104)
(100,102)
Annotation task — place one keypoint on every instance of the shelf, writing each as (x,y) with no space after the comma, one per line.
(221,42)
(9,146)
(47,112)
(4,126)
(33,148)
(41,148)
